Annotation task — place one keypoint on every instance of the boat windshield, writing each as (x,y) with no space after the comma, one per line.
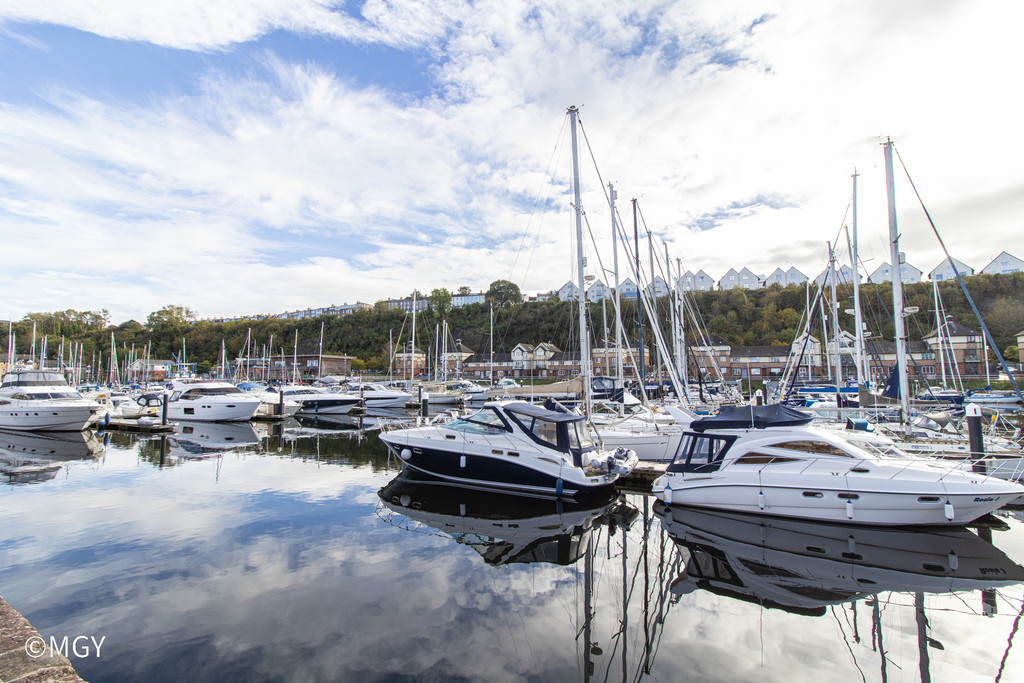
(566,435)
(700,453)
(198,392)
(483,421)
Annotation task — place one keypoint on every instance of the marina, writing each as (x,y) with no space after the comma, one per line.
(291,551)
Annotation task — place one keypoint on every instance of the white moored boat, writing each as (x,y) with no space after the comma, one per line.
(42,400)
(377,395)
(769,460)
(515,446)
(212,401)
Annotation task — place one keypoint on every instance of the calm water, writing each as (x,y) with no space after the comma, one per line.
(235,554)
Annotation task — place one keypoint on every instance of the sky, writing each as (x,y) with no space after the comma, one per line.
(250,157)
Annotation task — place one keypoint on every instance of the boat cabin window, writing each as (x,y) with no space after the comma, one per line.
(820,447)
(700,453)
(484,421)
(35,379)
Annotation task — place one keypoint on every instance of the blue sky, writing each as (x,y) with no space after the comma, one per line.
(241,157)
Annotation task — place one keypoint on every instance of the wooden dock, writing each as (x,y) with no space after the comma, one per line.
(641,478)
(19,643)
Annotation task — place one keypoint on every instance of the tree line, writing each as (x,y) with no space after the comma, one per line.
(762,317)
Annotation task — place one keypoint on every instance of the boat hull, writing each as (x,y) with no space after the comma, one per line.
(203,410)
(330,406)
(496,468)
(29,417)
(921,507)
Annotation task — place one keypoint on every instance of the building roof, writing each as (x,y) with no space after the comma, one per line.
(739,352)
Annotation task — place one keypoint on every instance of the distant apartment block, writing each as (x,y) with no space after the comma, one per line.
(944,271)
(340,311)
(883,273)
(1003,264)
(459,300)
(843,274)
(598,292)
(743,279)
(697,282)
(568,292)
(421,304)
(785,278)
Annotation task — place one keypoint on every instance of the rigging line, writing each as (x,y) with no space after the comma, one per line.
(960,279)
(559,143)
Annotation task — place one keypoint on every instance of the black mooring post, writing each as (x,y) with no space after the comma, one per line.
(977,443)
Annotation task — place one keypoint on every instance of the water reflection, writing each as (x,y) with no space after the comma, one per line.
(274,562)
(502,528)
(33,457)
(51,445)
(803,567)
(807,569)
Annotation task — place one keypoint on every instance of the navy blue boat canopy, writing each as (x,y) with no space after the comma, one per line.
(756,417)
(531,410)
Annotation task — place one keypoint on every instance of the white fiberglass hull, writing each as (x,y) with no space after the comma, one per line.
(241,409)
(824,492)
(47,416)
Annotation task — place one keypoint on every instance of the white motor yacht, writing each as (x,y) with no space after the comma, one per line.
(515,446)
(376,395)
(210,401)
(306,400)
(769,460)
(43,400)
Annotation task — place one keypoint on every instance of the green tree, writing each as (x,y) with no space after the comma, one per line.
(464,290)
(441,301)
(504,293)
(171,316)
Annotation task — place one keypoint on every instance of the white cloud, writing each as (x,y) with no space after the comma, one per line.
(292,174)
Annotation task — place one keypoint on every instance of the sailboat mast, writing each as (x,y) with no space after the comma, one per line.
(320,356)
(639,304)
(491,362)
(618,299)
(897,285)
(858,321)
(584,341)
(835,321)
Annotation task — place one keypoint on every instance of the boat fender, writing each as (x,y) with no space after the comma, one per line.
(760,499)
(954,562)
(462,509)
(405,500)
(595,463)
(559,486)
(948,509)
(462,461)
(406,454)
(668,493)
(849,509)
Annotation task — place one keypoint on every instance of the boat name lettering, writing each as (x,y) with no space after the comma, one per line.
(985,499)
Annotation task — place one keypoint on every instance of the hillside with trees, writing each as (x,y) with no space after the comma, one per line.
(741,317)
